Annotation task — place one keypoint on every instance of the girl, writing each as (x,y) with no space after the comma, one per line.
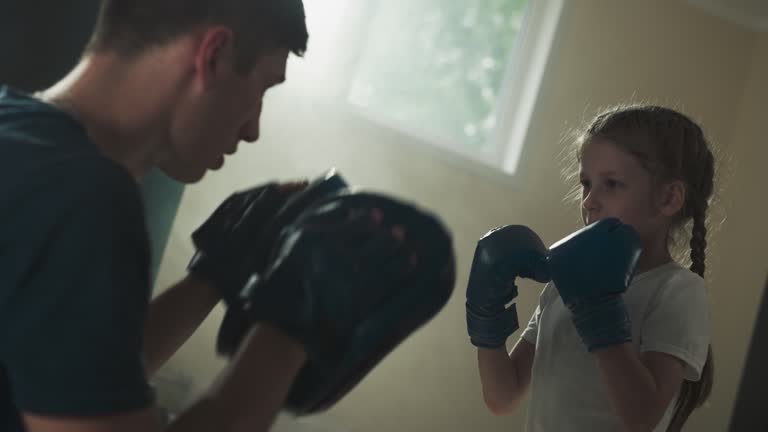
(651,168)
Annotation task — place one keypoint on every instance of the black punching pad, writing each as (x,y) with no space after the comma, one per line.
(387,314)
(235,324)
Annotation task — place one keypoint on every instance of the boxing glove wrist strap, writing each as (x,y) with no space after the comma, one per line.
(602,322)
(490,330)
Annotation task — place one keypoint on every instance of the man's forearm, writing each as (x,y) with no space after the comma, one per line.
(173,317)
(252,390)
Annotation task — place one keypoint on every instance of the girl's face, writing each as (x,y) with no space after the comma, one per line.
(615,184)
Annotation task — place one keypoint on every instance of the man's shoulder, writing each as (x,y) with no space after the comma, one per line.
(34,131)
(36,137)
(45,154)
(87,199)
(67,181)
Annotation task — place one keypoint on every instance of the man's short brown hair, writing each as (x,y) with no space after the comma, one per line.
(130,27)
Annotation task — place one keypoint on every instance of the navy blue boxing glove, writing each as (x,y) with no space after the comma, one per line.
(502,255)
(592,268)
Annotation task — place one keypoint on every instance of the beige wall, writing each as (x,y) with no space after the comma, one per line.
(607,51)
(740,265)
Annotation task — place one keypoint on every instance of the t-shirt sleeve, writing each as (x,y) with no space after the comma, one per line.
(531,332)
(678,322)
(72,344)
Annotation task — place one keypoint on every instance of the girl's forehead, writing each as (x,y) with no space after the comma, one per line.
(601,155)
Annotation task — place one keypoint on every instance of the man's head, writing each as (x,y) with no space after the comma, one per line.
(131,27)
(234,50)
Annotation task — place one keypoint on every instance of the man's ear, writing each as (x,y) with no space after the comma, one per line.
(214,55)
(672,198)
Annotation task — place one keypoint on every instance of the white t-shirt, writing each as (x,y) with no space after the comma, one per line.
(669,309)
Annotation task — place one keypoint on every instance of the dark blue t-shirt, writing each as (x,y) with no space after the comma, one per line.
(74,270)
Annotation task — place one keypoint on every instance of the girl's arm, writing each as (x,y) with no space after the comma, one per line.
(505,378)
(640,386)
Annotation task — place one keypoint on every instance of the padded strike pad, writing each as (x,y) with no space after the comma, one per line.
(235,324)
(393,312)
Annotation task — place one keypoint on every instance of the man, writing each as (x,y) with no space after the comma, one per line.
(174,84)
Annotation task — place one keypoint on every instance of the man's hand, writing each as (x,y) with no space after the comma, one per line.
(226,240)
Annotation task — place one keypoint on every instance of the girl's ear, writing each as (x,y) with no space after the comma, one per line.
(672,198)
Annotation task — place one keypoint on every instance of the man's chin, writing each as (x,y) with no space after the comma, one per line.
(182,173)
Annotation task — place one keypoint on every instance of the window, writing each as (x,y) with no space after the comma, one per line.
(463,76)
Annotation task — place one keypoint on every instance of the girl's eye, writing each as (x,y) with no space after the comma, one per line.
(611,183)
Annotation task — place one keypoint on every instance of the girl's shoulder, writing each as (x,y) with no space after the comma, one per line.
(670,284)
(670,275)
